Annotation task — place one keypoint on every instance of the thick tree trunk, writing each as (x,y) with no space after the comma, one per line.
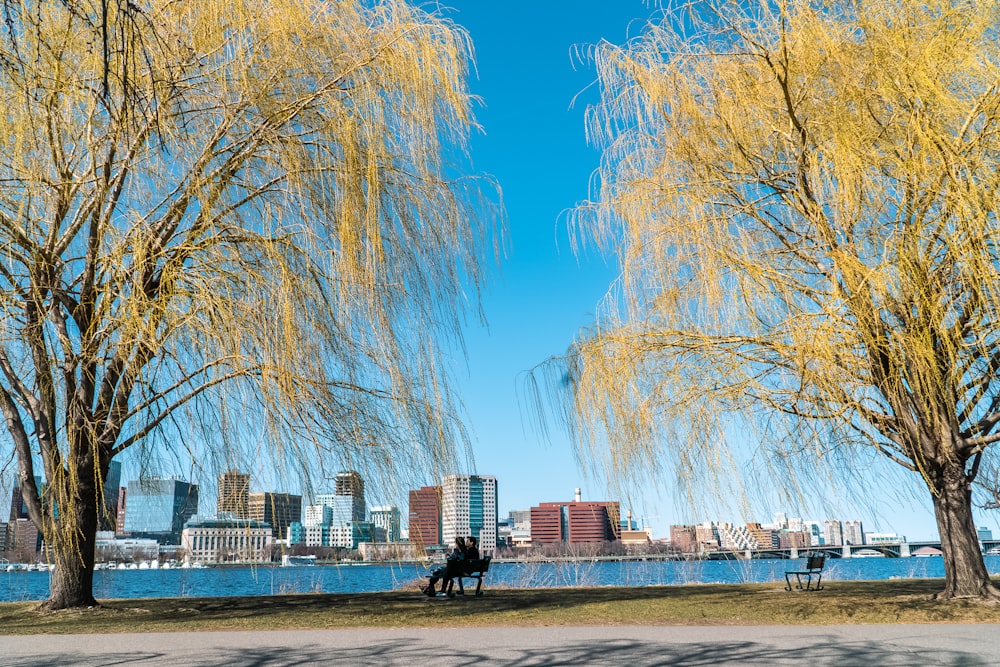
(73,541)
(965,571)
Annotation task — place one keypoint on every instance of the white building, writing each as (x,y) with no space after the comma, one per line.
(469,507)
(833,532)
(853,533)
(387,518)
(318,515)
(221,541)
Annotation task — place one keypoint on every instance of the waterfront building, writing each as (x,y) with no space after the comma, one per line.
(383,551)
(315,535)
(736,538)
(984,534)
(708,536)
(296,533)
(23,541)
(425,516)
(387,518)
(18,508)
(794,539)
(766,538)
(853,533)
(575,522)
(278,510)
(120,514)
(318,515)
(350,535)
(234,495)
(349,484)
(108,514)
(469,507)
(109,548)
(815,531)
(227,541)
(833,532)
(159,507)
(684,539)
(520,534)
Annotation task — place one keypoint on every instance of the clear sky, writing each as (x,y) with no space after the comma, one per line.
(534,144)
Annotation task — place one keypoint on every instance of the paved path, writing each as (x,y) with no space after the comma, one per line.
(843,646)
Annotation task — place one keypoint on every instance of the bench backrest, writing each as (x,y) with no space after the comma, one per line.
(815,562)
(476,565)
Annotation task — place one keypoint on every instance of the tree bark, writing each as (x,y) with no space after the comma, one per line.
(965,571)
(72,539)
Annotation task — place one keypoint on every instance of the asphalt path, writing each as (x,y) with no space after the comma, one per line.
(844,646)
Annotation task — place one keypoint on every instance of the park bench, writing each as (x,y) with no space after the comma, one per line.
(814,568)
(474,568)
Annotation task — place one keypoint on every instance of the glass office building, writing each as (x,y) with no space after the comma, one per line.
(158,508)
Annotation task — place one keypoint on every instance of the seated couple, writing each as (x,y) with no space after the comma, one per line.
(465,549)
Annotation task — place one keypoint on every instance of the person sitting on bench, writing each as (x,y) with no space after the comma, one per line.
(471,553)
(451,567)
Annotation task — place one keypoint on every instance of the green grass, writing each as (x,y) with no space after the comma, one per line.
(854,602)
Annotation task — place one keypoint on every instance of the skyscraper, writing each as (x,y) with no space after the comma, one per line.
(159,507)
(833,532)
(425,516)
(469,507)
(108,517)
(854,534)
(351,491)
(234,495)
(278,509)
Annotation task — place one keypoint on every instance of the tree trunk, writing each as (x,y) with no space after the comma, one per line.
(72,538)
(965,572)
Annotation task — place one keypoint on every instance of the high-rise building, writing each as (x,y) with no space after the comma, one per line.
(349,485)
(18,508)
(277,509)
(853,533)
(575,522)
(387,519)
(120,519)
(108,517)
(469,507)
(833,532)
(158,508)
(425,516)
(234,495)
(24,541)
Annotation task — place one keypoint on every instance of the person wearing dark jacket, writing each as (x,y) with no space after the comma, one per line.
(452,566)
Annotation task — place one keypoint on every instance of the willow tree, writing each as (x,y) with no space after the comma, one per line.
(218,212)
(803,197)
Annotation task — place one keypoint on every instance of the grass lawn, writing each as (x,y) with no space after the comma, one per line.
(842,602)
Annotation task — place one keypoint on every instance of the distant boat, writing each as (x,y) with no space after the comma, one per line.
(867,553)
(294,561)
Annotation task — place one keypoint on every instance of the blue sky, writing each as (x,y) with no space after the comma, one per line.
(534,144)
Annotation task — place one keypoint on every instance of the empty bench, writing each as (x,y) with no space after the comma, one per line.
(814,569)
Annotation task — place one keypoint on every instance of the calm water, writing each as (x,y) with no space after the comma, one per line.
(366,578)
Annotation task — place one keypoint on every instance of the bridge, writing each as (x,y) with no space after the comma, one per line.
(888,549)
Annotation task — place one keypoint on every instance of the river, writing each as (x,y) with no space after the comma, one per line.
(222,581)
